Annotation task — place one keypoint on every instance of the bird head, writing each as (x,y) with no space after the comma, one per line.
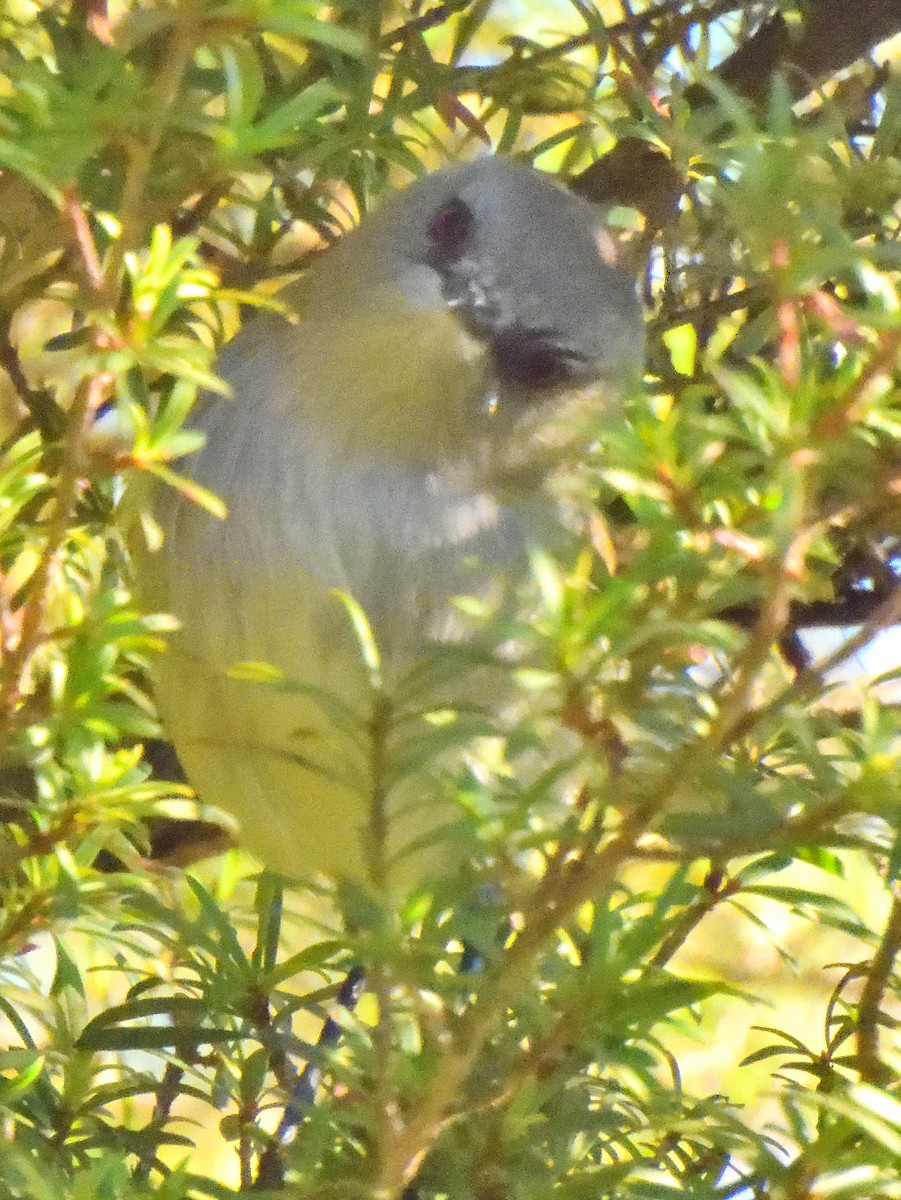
(496,304)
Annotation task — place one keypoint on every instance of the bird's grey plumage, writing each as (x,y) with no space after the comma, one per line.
(386,444)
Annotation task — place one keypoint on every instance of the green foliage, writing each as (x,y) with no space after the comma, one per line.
(675,755)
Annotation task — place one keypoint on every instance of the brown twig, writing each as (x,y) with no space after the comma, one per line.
(168,1091)
(834,35)
(430,19)
(787,835)
(709,310)
(561,893)
(734,694)
(88,257)
(813,679)
(817,614)
(717,888)
(174,63)
(872,1069)
(44,412)
(636,23)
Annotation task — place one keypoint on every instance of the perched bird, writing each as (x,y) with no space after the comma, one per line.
(390,443)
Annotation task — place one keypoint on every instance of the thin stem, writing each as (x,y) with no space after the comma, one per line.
(812,679)
(377,849)
(44,412)
(89,396)
(869,1064)
(635,24)
(167,1093)
(575,882)
(713,895)
(387,1118)
(175,62)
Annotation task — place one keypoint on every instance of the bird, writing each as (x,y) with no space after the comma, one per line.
(385,450)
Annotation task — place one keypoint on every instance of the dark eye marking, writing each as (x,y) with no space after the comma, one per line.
(532,360)
(449,230)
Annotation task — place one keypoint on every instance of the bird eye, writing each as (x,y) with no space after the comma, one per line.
(449,229)
(531,363)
